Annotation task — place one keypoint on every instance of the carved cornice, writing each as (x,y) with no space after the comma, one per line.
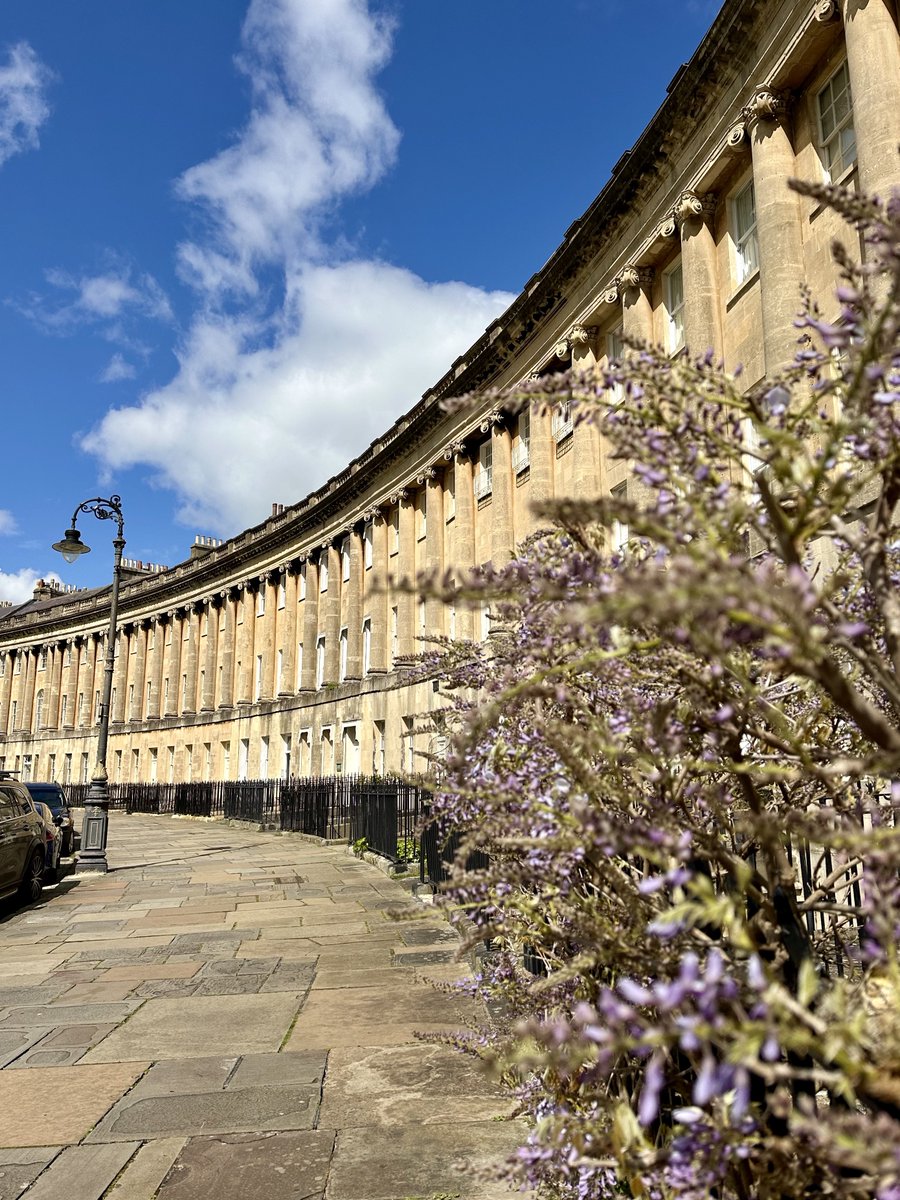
(766,105)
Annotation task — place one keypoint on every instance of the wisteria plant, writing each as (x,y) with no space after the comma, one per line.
(683,760)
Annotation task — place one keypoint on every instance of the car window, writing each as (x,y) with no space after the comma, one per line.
(47,795)
(10,805)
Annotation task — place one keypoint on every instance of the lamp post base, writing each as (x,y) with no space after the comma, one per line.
(94,830)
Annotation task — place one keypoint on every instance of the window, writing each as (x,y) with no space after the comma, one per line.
(131,712)
(257,681)
(299,665)
(166,695)
(395,529)
(2,666)
(746,247)
(521,451)
(345,560)
(367,645)
(304,754)
(184,693)
(98,708)
(327,752)
(279,669)
(80,718)
(615,352)
(421,516)
(282,595)
(51,765)
(63,710)
(226,760)
(264,758)
(39,710)
(323,571)
(68,658)
(408,744)
(349,750)
(562,421)
(301,585)
(42,661)
(13,710)
(67,766)
(18,667)
(673,284)
(342,670)
(170,770)
(484,482)
(189,762)
(207,760)
(85,769)
(378,749)
(368,544)
(450,491)
(485,622)
(286,755)
(836,133)
(153,764)
(243,757)
(395,634)
(261,601)
(320,661)
(619,530)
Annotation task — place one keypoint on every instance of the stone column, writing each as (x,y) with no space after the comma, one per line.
(635,284)
(585,438)
(265,637)
(210,656)
(406,601)
(354,606)
(71,689)
(246,644)
(26,708)
(377,601)
(120,675)
(139,680)
(230,599)
(189,703)
(503,538)
(464,534)
(287,631)
(540,470)
(10,660)
(873,62)
(695,216)
(158,628)
(778,225)
(433,481)
(178,618)
(310,626)
(330,602)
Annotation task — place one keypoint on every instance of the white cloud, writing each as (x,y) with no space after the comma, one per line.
(240,427)
(18,586)
(8,523)
(267,403)
(105,300)
(318,130)
(117,369)
(23,103)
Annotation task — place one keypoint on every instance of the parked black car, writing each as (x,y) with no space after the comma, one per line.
(22,844)
(55,798)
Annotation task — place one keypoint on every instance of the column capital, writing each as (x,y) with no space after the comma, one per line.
(490,419)
(453,450)
(424,476)
(825,11)
(610,295)
(632,277)
(690,206)
(400,495)
(766,104)
(737,135)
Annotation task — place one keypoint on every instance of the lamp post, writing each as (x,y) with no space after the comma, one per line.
(96,810)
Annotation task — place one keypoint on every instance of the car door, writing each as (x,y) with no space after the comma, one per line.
(10,867)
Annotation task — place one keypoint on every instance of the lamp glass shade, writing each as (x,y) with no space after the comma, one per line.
(71,546)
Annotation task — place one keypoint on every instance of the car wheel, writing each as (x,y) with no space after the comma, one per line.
(33,879)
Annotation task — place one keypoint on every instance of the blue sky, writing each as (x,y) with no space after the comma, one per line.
(240,237)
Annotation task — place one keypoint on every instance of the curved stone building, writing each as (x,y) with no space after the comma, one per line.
(275,651)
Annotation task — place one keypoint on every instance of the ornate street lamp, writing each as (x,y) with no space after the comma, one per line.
(96,810)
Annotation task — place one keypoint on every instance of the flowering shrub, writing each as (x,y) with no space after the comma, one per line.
(681,758)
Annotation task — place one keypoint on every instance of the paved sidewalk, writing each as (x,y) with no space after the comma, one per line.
(230,1014)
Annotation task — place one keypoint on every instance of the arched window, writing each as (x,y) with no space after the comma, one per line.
(39,709)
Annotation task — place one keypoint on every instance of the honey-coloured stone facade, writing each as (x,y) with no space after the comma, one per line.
(277,651)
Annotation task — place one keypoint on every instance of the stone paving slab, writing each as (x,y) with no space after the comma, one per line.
(82,1171)
(251,1166)
(413,1162)
(20,1167)
(144,1174)
(208,1025)
(59,1105)
(62,1047)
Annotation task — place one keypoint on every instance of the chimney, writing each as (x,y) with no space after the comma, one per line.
(46,589)
(203,546)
